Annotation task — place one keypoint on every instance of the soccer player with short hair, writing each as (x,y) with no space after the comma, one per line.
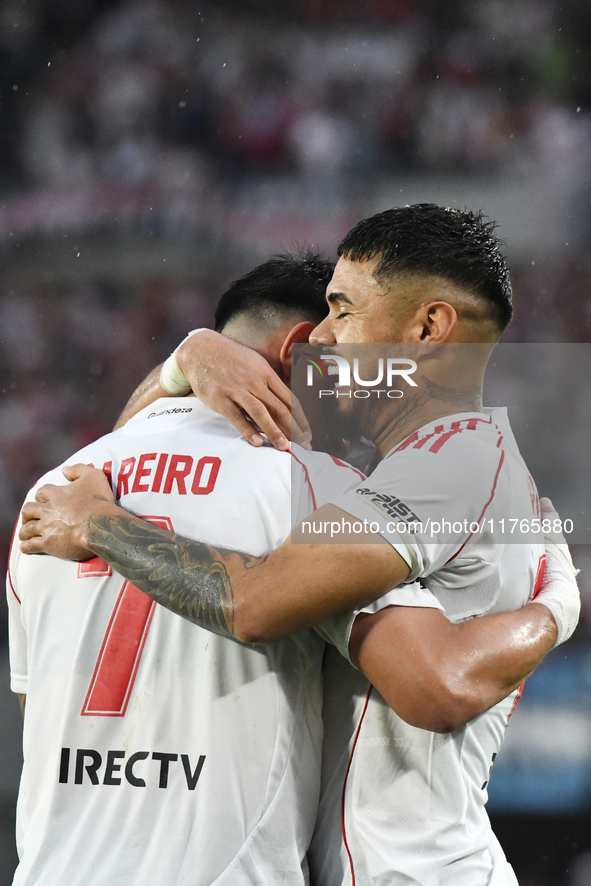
(418,817)
(155,752)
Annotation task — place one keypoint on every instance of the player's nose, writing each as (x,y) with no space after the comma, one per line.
(323,334)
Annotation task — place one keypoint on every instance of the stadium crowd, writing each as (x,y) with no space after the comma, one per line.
(317,88)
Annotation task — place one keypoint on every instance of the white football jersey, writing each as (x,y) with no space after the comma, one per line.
(156,752)
(401,806)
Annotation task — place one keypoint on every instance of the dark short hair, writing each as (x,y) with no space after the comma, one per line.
(290,284)
(455,244)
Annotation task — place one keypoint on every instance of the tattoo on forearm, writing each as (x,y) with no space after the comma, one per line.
(185,576)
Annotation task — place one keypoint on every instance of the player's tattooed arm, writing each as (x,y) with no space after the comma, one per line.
(253,599)
(82,519)
(187,577)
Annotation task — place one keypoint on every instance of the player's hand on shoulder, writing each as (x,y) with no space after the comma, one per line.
(56,522)
(240,384)
(559,591)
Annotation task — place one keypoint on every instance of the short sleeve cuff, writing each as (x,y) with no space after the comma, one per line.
(18,684)
(353,504)
(337,631)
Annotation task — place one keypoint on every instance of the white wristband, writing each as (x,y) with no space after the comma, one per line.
(172,379)
(559,591)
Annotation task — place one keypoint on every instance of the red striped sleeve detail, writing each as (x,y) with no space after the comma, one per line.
(443,439)
(417,442)
(420,443)
(301,463)
(492,495)
(409,440)
(456,427)
(343,823)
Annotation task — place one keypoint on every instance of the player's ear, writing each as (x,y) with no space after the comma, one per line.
(437,322)
(297,335)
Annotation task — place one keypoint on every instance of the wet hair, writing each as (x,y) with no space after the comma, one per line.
(286,285)
(455,244)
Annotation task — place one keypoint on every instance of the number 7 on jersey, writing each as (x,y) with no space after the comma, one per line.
(121,650)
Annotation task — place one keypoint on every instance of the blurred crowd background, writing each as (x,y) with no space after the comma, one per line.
(153,150)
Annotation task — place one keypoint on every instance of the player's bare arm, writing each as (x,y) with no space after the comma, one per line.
(235,381)
(437,675)
(254,600)
(145,394)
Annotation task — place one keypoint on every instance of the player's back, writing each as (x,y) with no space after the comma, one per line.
(156,752)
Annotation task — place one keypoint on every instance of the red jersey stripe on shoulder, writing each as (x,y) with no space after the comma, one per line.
(492,495)
(406,443)
(344,464)
(420,443)
(417,442)
(443,438)
(307,477)
(470,424)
